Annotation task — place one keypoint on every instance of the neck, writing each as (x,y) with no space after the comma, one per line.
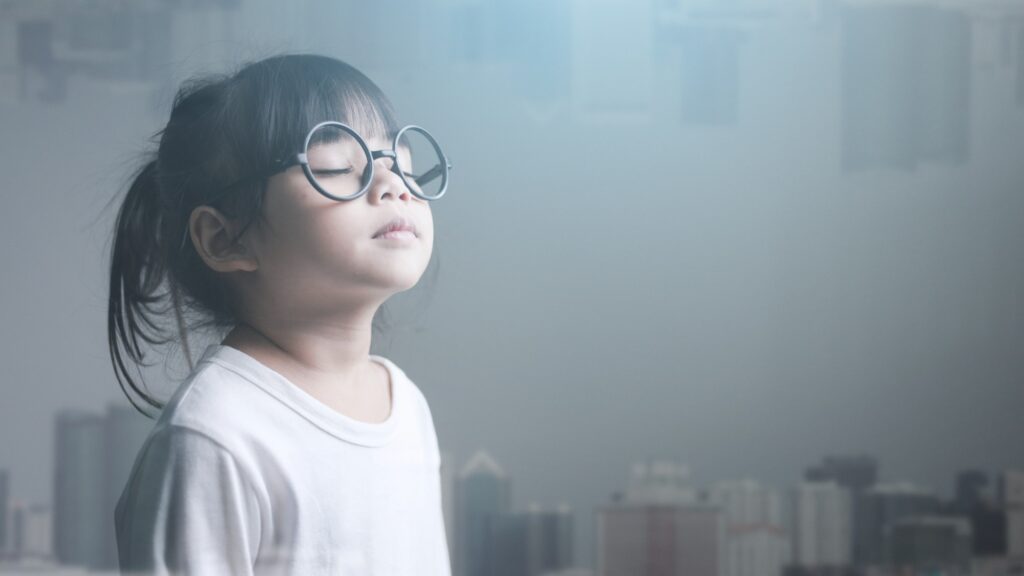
(328,352)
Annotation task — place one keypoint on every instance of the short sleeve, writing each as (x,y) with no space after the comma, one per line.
(187,509)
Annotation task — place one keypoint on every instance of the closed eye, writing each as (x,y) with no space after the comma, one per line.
(333,172)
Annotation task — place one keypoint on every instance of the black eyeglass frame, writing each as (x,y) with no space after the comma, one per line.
(302,159)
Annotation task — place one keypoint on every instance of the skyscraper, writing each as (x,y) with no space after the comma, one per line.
(31,533)
(756,543)
(932,542)
(857,473)
(906,85)
(124,432)
(79,489)
(651,539)
(483,496)
(94,456)
(657,527)
(884,504)
(1011,497)
(532,542)
(823,525)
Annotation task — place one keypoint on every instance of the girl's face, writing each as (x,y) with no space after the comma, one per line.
(323,251)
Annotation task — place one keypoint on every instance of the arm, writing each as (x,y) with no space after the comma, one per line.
(187,509)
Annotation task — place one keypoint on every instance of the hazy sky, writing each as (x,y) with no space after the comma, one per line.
(651,245)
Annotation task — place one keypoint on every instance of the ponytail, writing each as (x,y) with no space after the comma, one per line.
(136,272)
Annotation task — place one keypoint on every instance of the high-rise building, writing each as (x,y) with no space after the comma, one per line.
(532,542)
(31,532)
(929,542)
(988,519)
(1011,498)
(970,490)
(823,524)
(757,550)
(659,481)
(659,539)
(857,473)
(79,489)
(94,456)
(884,504)
(906,85)
(124,431)
(657,527)
(746,502)
(756,544)
(853,472)
(483,494)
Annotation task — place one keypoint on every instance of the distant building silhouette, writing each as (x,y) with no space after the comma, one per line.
(970,490)
(857,473)
(906,84)
(1011,498)
(886,504)
(532,542)
(988,520)
(79,489)
(649,539)
(659,528)
(660,481)
(929,542)
(31,532)
(823,524)
(483,495)
(756,543)
(94,456)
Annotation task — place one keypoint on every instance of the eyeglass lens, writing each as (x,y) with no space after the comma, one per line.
(338,162)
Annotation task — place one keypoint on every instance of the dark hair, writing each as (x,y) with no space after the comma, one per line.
(222,128)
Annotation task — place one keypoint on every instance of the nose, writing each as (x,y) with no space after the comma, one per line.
(386,183)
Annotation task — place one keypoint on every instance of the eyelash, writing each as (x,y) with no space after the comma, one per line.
(333,172)
(348,170)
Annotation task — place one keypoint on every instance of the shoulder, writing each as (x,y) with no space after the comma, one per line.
(409,387)
(418,408)
(216,403)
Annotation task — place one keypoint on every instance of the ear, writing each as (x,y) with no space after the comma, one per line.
(213,236)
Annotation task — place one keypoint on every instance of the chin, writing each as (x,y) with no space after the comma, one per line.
(400,280)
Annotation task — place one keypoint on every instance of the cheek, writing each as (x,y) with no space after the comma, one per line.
(306,237)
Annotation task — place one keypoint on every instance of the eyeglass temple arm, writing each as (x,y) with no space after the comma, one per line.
(279,166)
(431,174)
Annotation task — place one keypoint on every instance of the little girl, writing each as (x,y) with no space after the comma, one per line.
(284,206)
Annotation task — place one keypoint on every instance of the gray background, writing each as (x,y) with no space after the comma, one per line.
(652,245)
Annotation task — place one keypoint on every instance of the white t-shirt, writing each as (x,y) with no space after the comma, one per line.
(246,473)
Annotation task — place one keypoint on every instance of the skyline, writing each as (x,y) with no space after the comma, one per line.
(749,510)
(736,299)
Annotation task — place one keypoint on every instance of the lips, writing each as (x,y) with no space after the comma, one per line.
(397,224)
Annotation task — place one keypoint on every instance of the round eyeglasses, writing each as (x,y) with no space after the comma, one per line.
(338,163)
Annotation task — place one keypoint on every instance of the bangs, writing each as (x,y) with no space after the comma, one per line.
(287,95)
